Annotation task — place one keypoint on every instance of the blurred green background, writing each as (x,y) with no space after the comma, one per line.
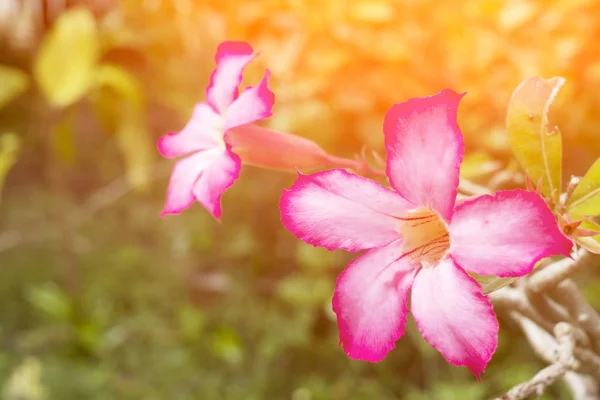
(102,299)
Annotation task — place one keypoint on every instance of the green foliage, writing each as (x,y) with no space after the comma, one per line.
(13,83)
(538,150)
(51,301)
(65,64)
(585,199)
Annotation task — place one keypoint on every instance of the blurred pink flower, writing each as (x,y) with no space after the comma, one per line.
(210,167)
(416,237)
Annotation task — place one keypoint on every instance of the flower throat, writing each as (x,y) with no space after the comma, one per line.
(426,238)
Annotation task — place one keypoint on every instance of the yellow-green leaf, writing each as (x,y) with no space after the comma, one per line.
(66,60)
(585,199)
(538,150)
(490,283)
(13,82)
(589,243)
(591,226)
(9,148)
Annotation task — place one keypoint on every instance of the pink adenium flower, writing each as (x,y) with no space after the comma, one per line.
(210,167)
(419,240)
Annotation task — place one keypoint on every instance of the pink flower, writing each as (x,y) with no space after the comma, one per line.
(210,167)
(416,237)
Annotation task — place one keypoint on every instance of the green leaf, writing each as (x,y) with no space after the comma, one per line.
(13,83)
(65,64)
(585,199)
(52,301)
(131,130)
(538,150)
(227,345)
(9,148)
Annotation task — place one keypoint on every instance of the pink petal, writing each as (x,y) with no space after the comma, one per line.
(370,301)
(216,180)
(254,104)
(339,210)
(505,234)
(424,148)
(231,58)
(203,176)
(200,133)
(453,315)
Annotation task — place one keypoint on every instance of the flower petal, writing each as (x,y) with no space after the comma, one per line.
(216,180)
(254,104)
(370,301)
(453,315)
(271,149)
(231,58)
(201,132)
(505,234)
(424,148)
(339,210)
(203,176)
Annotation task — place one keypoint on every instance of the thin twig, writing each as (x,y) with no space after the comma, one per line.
(559,351)
(567,293)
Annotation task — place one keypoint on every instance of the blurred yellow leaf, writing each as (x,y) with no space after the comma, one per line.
(63,142)
(136,146)
(13,82)
(585,200)
(477,164)
(66,61)
(25,382)
(9,148)
(131,129)
(121,81)
(538,151)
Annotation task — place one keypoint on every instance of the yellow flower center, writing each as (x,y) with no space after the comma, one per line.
(426,238)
